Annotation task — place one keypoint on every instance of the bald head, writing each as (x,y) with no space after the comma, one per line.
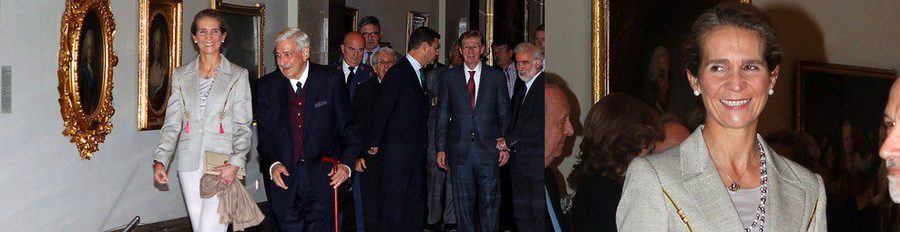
(353,48)
(675,134)
(557,126)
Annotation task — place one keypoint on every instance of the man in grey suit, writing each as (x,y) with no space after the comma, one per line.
(474,96)
(441,215)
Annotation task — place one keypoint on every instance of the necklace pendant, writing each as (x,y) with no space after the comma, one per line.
(734,187)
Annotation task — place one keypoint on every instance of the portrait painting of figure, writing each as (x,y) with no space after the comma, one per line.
(158,80)
(90,64)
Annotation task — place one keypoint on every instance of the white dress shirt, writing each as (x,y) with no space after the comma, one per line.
(477,77)
(416,67)
(346,68)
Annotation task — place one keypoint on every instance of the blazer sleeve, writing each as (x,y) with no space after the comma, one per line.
(820,221)
(172,125)
(643,206)
(242,115)
(442,117)
(502,104)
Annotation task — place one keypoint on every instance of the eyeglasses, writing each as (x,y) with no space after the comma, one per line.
(471,48)
(369,34)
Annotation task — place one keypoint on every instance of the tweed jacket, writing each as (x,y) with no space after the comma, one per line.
(230,134)
(796,196)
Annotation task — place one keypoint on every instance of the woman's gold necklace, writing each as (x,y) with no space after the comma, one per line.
(734,187)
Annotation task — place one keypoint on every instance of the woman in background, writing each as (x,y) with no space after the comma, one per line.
(618,128)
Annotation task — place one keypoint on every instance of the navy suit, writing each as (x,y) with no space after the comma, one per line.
(400,132)
(526,139)
(470,140)
(362,73)
(307,204)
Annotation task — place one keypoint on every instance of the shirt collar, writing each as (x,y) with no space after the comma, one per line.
(305,74)
(346,67)
(415,64)
(528,84)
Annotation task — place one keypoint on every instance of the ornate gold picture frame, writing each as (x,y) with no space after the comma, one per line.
(245,48)
(159,53)
(600,34)
(86,61)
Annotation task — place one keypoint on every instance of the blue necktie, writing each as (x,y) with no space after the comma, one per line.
(551,211)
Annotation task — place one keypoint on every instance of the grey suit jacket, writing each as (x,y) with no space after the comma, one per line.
(204,134)
(687,173)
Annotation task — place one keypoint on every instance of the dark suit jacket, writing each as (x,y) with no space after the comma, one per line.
(364,101)
(553,189)
(484,125)
(595,202)
(362,74)
(527,135)
(327,119)
(399,128)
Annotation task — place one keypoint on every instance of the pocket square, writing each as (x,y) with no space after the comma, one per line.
(320,104)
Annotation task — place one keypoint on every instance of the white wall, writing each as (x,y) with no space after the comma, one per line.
(45,186)
(861,33)
(392,14)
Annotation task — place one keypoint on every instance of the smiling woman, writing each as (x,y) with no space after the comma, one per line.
(732,63)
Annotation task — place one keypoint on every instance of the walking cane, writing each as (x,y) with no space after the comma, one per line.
(334,165)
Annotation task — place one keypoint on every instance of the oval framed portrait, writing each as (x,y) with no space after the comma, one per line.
(86,59)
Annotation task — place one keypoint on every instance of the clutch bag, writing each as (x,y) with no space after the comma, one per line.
(215,159)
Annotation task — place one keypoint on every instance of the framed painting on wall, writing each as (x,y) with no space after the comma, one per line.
(415,20)
(86,61)
(159,53)
(637,49)
(842,108)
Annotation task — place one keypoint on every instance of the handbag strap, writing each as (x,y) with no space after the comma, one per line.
(678,210)
(812,216)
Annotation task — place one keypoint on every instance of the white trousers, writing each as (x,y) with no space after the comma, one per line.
(202,212)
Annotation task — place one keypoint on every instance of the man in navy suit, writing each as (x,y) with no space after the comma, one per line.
(304,117)
(400,135)
(526,138)
(475,97)
(350,64)
(354,74)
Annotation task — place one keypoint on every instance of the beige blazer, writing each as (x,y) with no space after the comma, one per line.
(204,134)
(796,196)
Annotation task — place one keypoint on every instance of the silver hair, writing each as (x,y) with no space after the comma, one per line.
(388,50)
(296,34)
(536,52)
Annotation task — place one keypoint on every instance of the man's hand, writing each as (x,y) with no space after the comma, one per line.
(360,165)
(227,173)
(339,174)
(442,160)
(501,144)
(160,175)
(504,157)
(277,170)
(373,150)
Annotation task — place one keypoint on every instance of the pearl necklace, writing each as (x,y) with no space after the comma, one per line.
(763,191)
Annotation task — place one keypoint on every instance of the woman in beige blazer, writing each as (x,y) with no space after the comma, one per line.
(724,177)
(209,110)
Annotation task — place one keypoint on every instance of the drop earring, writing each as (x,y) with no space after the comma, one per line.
(771,91)
(697,93)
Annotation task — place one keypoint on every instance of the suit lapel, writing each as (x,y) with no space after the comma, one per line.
(787,205)
(705,187)
(189,88)
(483,84)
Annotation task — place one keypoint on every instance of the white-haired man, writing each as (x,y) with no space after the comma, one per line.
(303,121)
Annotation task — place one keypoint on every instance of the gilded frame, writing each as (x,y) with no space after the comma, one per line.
(258,10)
(415,19)
(86,129)
(600,48)
(150,117)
